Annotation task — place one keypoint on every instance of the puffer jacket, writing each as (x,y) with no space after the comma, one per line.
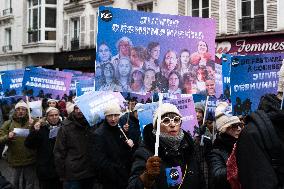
(182,158)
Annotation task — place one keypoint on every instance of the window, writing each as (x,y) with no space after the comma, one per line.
(8,40)
(41,20)
(200,8)
(252,16)
(8,7)
(8,37)
(148,7)
(75,33)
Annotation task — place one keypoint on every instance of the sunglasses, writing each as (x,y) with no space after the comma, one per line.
(167,121)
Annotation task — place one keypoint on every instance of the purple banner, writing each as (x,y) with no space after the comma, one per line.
(154,52)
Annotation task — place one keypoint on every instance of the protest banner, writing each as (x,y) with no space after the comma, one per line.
(185,106)
(218,81)
(12,82)
(226,73)
(36,108)
(252,77)
(153,52)
(46,83)
(92,104)
(85,85)
(140,98)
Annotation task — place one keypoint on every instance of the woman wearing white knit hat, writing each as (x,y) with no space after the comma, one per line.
(229,128)
(176,166)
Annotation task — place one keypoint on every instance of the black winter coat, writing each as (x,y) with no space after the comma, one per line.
(71,150)
(40,141)
(217,159)
(134,127)
(110,156)
(182,157)
(254,162)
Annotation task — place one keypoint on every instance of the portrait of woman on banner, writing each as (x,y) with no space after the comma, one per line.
(124,74)
(170,63)
(108,81)
(202,56)
(137,79)
(137,57)
(152,59)
(104,54)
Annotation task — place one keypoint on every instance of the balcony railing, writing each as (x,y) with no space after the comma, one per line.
(7,48)
(251,25)
(7,11)
(75,44)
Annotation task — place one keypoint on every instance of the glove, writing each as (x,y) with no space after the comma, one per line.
(152,171)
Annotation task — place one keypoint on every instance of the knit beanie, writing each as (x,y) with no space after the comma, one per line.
(70,107)
(51,100)
(50,109)
(165,108)
(21,104)
(199,106)
(281,79)
(112,109)
(224,117)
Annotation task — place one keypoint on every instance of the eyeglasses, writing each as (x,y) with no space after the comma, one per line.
(237,125)
(167,121)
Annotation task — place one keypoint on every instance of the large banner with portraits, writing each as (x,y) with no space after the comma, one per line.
(12,82)
(46,83)
(252,77)
(154,52)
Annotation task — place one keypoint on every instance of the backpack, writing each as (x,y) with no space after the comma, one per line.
(271,143)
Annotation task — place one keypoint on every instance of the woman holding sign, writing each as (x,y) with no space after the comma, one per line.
(176,166)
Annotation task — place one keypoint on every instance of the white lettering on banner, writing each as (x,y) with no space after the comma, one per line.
(188,118)
(15,85)
(159,21)
(143,30)
(87,89)
(269,75)
(17,80)
(227,79)
(46,86)
(259,47)
(255,86)
(48,81)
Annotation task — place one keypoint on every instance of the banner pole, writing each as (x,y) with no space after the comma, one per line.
(158,125)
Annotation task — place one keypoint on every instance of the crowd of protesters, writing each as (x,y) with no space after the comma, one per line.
(62,151)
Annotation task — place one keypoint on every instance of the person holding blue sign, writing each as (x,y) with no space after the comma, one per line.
(176,166)
(111,150)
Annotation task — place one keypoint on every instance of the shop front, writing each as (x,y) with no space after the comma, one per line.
(81,60)
(249,44)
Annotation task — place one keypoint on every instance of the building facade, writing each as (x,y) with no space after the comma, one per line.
(32,31)
(28,32)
